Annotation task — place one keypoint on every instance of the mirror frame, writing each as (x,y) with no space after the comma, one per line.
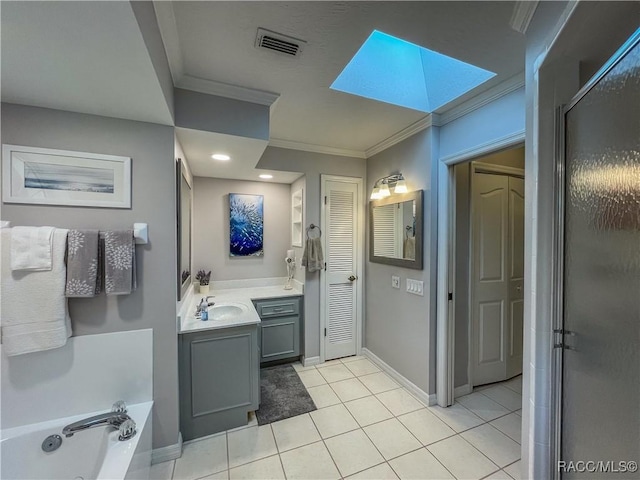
(415,264)
(183,286)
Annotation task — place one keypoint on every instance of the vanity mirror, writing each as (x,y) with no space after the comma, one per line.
(183,200)
(395,230)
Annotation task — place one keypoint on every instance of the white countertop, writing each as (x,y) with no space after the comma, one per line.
(240,297)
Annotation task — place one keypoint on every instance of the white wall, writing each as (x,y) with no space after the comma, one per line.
(76,379)
(211,229)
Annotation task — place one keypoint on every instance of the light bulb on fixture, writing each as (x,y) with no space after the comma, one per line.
(265,176)
(221,156)
(384,190)
(401,187)
(375,194)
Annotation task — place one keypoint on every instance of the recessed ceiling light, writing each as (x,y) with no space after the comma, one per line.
(266,175)
(221,156)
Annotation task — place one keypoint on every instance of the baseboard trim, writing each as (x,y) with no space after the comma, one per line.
(311,361)
(417,392)
(170,452)
(462,390)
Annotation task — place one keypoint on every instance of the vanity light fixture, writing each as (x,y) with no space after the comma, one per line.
(381,187)
(265,176)
(221,156)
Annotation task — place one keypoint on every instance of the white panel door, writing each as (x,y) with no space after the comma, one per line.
(490,283)
(497,277)
(340,278)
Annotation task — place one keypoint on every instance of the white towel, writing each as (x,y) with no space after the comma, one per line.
(312,258)
(34,314)
(31,248)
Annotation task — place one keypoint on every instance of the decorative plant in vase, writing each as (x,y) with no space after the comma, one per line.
(203,278)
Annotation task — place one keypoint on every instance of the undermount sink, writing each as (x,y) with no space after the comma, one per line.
(226,311)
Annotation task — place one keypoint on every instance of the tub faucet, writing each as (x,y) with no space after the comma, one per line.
(117,418)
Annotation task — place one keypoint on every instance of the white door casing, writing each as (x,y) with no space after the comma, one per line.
(497,277)
(341,281)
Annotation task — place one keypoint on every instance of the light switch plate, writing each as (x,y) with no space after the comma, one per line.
(395,281)
(415,287)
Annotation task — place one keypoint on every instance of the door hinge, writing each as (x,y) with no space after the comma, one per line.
(325,266)
(325,332)
(325,199)
(450,296)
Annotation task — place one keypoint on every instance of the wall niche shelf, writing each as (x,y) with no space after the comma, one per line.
(297,207)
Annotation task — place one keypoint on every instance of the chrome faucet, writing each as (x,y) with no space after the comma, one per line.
(209,304)
(117,418)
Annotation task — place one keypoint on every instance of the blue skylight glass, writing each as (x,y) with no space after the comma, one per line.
(395,71)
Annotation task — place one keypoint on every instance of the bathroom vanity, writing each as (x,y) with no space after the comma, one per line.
(280,328)
(219,359)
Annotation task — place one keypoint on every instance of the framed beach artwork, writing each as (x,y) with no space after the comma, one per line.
(59,177)
(246,225)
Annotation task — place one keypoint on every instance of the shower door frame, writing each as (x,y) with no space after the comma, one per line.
(558,254)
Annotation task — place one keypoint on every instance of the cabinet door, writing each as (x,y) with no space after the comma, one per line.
(280,338)
(218,379)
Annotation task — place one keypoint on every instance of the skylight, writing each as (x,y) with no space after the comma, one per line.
(395,71)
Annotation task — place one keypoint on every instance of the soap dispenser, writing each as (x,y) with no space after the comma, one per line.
(204,310)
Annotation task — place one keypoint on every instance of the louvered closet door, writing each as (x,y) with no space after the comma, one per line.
(341,222)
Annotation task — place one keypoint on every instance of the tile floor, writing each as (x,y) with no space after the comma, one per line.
(366,427)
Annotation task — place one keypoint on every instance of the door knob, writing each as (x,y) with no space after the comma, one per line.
(352,278)
(519,288)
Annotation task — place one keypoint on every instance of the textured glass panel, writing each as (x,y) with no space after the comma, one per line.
(601,389)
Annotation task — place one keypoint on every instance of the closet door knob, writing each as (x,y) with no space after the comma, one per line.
(352,278)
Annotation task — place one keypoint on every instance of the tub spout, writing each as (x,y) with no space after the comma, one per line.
(113,419)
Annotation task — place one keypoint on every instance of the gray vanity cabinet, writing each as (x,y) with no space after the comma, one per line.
(219,379)
(280,328)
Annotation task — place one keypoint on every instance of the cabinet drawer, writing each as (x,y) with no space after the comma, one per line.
(277,308)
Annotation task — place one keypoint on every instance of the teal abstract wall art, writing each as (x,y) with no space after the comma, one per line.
(246,225)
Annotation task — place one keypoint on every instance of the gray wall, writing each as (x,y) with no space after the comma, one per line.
(151,148)
(312,165)
(400,327)
(461,288)
(211,113)
(211,229)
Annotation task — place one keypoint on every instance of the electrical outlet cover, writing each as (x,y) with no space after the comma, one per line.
(395,281)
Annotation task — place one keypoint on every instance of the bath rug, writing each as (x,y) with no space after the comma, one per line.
(282,395)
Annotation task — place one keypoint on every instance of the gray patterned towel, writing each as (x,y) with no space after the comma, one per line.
(82,263)
(119,262)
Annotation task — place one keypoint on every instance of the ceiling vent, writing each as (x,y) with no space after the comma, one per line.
(280,43)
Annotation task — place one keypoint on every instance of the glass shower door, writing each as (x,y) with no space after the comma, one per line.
(601,355)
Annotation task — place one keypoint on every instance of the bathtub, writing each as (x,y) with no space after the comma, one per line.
(92,454)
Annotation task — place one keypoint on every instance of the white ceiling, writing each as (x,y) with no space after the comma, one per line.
(198,146)
(215,41)
(90,57)
(86,57)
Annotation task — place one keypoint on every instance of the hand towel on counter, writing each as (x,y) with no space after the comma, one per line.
(31,248)
(82,263)
(34,314)
(119,262)
(312,258)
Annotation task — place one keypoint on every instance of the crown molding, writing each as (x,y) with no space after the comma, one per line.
(169,32)
(220,89)
(431,119)
(522,14)
(308,147)
(479,101)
